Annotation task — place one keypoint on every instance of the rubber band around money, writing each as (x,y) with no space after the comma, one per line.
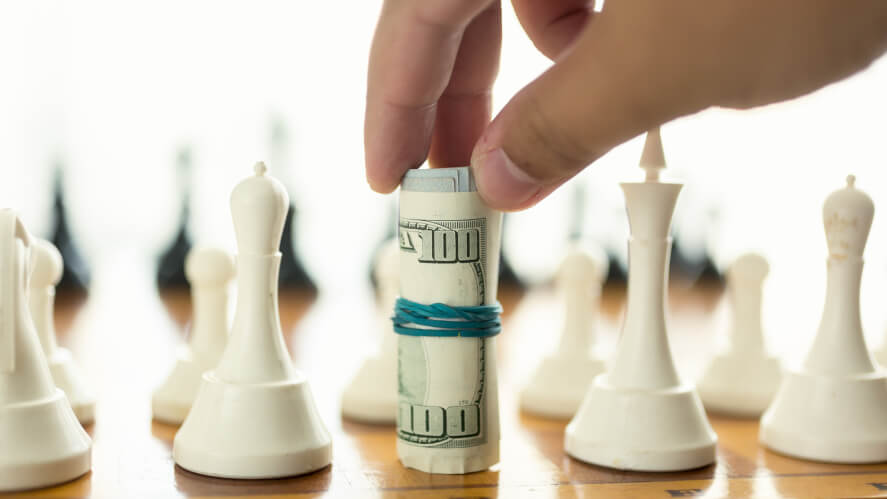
(438,319)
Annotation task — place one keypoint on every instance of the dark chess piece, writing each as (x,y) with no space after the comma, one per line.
(75,276)
(693,268)
(292,272)
(507,276)
(615,273)
(171,267)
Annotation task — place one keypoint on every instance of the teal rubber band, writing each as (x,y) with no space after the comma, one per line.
(438,319)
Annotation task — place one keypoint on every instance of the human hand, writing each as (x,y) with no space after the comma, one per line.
(632,66)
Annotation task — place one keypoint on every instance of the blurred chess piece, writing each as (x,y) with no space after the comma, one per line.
(741,380)
(560,382)
(171,267)
(75,275)
(254,415)
(371,397)
(41,441)
(209,272)
(640,415)
(834,407)
(47,265)
(292,271)
(507,276)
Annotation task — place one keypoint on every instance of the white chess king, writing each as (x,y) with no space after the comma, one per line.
(254,416)
(640,415)
(833,407)
(41,441)
(209,272)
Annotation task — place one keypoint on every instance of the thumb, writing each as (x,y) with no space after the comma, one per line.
(604,91)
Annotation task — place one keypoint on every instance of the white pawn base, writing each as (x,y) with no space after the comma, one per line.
(641,430)
(372,395)
(66,376)
(740,385)
(262,430)
(172,401)
(559,384)
(43,444)
(830,419)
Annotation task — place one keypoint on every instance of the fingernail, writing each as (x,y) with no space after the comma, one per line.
(500,182)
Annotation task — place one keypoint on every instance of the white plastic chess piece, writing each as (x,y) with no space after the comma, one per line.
(559,384)
(834,407)
(209,271)
(47,271)
(639,415)
(254,416)
(41,441)
(741,381)
(371,396)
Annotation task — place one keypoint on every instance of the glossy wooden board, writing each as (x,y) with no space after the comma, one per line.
(124,335)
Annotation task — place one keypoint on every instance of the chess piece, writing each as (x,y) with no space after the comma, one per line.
(209,271)
(640,415)
(371,397)
(741,381)
(834,407)
(75,275)
(559,384)
(292,271)
(507,276)
(41,441)
(171,267)
(254,415)
(47,268)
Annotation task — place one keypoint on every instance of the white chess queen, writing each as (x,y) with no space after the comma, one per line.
(254,415)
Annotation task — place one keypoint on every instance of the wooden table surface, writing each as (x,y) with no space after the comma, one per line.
(124,336)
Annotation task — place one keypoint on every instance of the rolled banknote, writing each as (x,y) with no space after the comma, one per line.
(448,410)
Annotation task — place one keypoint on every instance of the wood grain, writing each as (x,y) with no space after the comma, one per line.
(125,340)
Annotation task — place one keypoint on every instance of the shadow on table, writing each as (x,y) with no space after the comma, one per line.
(192,484)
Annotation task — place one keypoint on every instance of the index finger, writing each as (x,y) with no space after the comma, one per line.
(411,60)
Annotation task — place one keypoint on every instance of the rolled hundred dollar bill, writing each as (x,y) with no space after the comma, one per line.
(448,411)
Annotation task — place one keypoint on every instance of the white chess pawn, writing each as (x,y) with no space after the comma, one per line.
(742,380)
(209,271)
(834,407)
(559,384)
(41,441)
(254,415)
(47,271)
(640,415)
(371,396)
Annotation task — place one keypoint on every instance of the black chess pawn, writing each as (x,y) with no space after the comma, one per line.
(75,276)
(171,266)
